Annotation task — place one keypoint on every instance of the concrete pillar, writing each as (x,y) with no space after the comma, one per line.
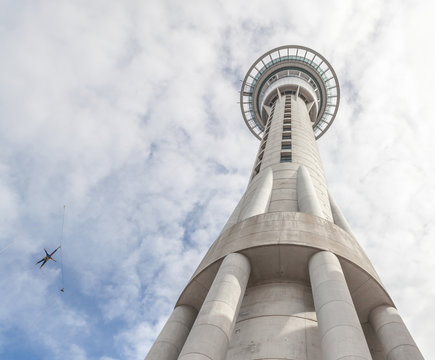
(234,218)
(341,335)
(307,197)
(338,216)
(210,334)
(393,335)
(173,335)
(259,201)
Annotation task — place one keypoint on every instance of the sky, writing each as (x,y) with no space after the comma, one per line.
(127,113)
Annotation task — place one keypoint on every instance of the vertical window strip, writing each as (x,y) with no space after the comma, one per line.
(286,145)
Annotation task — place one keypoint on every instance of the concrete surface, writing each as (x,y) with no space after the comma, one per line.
(276,321)
(340,332)
(173,335)
(338,216)
(285,237)
(307,197)
(395,339)
(210,334)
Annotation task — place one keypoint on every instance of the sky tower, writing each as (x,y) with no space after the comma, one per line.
(286,278)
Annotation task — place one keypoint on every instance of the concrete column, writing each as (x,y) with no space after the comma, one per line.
(259,201)
(210,334)
(338,216)
(393,335)
(341,335)
(307,197)
(173,335)
(234,218)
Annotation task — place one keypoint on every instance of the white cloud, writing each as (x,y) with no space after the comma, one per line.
(127,113)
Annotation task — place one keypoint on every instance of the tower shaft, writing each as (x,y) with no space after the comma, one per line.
(286,278)
(288,142)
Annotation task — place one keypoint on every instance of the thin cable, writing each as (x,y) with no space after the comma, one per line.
(61,250)
(5,248)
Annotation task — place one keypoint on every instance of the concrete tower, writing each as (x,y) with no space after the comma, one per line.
(286,278)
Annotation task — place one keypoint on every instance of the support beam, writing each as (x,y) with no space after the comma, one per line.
(310,105)
(173,335)
(297,93)
(341,335)
(234,218)
(393,335)
(210,334)
(259,201)
(268,109)
(338,216)
(307,196)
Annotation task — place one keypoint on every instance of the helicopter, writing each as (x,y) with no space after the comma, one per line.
(47,257)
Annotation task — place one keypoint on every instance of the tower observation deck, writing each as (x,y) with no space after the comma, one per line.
(291,69)
(286,278)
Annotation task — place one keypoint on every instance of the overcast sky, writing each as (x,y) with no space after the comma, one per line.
(126,112)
